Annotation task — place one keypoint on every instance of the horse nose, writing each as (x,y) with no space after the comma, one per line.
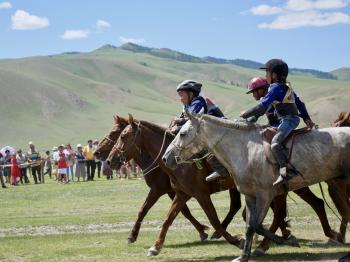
(97,153)
(108,162)
(164,159)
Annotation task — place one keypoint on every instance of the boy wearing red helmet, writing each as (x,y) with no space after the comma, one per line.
(288,108)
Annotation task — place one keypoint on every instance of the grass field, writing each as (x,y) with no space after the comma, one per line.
(91,221)
(52,100)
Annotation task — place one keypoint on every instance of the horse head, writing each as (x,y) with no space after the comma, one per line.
(106,144)
(186,143)
(127,145)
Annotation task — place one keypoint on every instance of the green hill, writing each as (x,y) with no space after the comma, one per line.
(71,97)
(342,73)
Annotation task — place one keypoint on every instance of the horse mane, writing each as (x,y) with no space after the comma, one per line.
(154,126)
(235,124)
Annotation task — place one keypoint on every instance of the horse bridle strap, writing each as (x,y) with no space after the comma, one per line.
(146,172)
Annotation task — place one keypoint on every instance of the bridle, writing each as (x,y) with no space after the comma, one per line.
(197,161)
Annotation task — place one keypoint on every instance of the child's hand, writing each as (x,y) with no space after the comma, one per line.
(242,113)
(310,124)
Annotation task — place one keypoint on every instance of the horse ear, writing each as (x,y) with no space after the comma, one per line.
(116,119)
(188,114)
(131,119)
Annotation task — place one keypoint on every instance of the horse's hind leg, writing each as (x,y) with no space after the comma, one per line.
(317,205)
(177,204)
(152,197)
(187,213)
(209,209)
(235,205)
(338,190)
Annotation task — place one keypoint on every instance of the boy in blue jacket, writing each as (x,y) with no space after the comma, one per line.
(288,107)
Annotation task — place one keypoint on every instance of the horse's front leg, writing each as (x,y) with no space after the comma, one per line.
(263,201)
(209,209)
(177,204)
(152,197)
(235,205)
(250,229)
(187,214)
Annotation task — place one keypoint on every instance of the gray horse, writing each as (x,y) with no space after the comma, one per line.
(318,155)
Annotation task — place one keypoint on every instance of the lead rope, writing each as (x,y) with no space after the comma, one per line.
(145,173)
(321,188)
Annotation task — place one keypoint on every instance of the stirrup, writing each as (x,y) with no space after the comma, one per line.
(285,175)
(213,176)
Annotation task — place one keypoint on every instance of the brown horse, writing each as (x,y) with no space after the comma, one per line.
(141,138)
(342,120)
(158,182)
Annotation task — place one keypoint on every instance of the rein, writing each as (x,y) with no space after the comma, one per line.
(197,161)
(145,173)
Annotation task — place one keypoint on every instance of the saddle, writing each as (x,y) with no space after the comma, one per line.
(269,132)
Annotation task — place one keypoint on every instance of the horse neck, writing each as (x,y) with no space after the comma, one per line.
(152,140)
(143,160)
(227,144)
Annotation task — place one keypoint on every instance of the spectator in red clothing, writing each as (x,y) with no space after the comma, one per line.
(15,173)
(62,165)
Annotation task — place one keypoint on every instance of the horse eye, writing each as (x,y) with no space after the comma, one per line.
(182,134)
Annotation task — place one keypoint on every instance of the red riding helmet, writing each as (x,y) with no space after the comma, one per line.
(256,83)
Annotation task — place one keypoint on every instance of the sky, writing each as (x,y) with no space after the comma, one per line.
(305,33)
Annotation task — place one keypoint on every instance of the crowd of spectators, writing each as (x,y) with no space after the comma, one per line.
(62,163)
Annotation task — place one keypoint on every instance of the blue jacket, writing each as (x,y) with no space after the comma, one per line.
(277,92)
(282,99)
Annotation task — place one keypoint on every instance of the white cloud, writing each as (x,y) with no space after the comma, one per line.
(75,34)
(125,40)
(303,13)
(22,20)
(101,24)
(265,10)
(5,5)
(307,18)
(302,5)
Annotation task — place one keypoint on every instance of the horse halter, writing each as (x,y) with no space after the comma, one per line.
(109,140)
(133,143)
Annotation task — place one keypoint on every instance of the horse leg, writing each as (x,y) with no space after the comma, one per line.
(152,197)
(317,205)
(209,209)
(235,205)
(250,213)
(263,201)
(186,212)
(279,207)
(178,203)
(338,190)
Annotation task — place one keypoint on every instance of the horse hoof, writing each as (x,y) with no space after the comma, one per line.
(240,259)
(332,241)
(292,241)
(341,238)
(131,240)
(152,252)
(345,258)
(215,235)
(259,252)
(203,236)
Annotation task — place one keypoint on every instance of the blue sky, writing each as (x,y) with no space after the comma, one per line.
(305,33)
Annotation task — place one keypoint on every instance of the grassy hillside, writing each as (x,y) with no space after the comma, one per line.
(72,97)
(342,73)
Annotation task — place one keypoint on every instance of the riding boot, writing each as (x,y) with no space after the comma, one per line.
(280,155)
(220,170)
